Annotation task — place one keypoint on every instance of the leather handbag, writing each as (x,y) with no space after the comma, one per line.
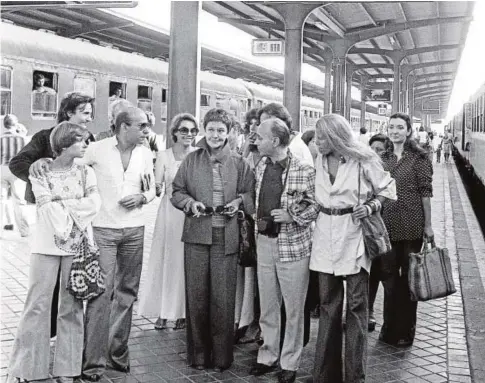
(430,275)
(376,237)
(247,240)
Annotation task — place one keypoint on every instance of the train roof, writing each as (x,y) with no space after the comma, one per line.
(223,84)
(48,48)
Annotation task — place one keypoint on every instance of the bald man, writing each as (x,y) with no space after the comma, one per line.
(125,186)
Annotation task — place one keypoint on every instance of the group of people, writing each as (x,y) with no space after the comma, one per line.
(307,203)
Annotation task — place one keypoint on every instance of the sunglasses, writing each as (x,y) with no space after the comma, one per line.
(185,131)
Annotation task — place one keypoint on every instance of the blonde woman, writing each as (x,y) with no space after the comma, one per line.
(338,249)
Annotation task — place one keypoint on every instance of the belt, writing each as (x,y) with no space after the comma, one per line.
(334,211)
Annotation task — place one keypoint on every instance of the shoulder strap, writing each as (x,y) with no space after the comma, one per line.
(83,178)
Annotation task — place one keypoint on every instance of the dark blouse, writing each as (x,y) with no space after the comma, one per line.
(404,218)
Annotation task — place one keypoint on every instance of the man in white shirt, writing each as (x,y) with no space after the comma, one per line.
(124,170)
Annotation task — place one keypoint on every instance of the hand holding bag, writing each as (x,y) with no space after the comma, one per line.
(430,275)
(376,238)
(247,240)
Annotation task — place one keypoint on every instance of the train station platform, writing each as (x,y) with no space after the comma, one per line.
(449,345)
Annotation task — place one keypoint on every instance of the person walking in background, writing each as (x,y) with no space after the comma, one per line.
(211,185)
(283,183)
(338,249)
(363,136)
(438,145)
(125,167)
(67,201)
(407,220)
(164,292)
(12,141)
(379,143)
(446,144)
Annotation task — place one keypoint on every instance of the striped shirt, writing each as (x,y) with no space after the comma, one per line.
(218,220)
(10,146)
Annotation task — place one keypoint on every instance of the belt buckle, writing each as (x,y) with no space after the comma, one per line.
(333,211)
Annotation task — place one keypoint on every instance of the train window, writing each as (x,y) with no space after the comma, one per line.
(305,113)
(164,104)
(44,94)
(86,85)
(204,100)
(259,104)
(250,104)
(116,90)
(144,101)
(6,91)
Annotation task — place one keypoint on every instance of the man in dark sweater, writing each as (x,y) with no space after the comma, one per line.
(76,108)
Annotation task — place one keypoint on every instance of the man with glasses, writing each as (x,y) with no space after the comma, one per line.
(124,169)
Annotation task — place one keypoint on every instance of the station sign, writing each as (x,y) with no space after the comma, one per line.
(382,109)
(268,47)
(468,114)
(377,95)
(431,106)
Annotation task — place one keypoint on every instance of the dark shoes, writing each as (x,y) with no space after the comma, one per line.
(8,227)
(404,342)
(260,369)
(286,376)
(91,378)
(371,325)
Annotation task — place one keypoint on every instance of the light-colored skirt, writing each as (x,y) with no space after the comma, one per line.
(163,293)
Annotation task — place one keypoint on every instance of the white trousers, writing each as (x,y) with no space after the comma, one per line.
(281,281)
(16,187)
(31,349)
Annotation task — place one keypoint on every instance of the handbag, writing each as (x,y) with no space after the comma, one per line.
(85,280)
(376,237)
(430,275)
(247,240)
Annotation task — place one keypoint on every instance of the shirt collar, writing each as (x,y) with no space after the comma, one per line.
(220,157)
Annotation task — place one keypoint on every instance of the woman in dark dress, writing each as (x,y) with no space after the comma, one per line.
(408,221)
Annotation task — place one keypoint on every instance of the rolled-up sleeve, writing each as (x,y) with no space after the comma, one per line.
(424,176)
(381,181)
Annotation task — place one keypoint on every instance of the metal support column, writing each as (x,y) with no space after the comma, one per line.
(294,16)
(338,104)
(349,71)
(363,84)
(184,65)
(328,82)
(395,87)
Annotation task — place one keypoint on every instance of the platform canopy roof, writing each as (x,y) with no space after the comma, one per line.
(431,34)
(91,21)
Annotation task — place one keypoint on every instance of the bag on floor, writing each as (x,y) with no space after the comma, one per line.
(430,275)
(247,240)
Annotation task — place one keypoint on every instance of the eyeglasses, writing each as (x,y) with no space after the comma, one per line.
(185,131)
(143,126)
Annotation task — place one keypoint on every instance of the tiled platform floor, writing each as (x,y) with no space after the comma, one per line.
(439,353)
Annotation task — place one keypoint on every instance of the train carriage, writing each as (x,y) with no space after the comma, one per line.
(107,73)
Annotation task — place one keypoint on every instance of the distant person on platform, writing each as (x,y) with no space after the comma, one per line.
(363,136)
(12,141)
(118,93)
(39,85)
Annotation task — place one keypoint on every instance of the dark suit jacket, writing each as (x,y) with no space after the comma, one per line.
(38,147)
(193,182)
